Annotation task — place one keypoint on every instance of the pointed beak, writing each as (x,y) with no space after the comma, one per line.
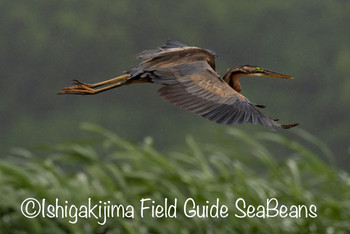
(273,74)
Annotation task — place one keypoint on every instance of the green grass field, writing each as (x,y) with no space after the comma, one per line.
(110,169)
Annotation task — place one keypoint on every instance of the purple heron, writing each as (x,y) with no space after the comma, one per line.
(190,81)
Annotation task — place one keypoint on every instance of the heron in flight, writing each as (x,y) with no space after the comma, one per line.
(189,80)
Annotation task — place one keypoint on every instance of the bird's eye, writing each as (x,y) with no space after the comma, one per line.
(258,69)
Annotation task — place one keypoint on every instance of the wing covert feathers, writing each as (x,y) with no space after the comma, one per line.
(197,88)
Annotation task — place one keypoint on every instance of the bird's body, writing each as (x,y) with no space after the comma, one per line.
(191,82)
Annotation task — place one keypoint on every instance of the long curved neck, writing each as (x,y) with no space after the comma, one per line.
(231,78)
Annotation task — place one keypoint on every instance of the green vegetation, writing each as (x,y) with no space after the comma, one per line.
(109,168)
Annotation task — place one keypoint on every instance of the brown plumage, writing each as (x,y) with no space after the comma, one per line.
(190,81)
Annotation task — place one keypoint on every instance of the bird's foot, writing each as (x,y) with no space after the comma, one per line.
(77,82)
(79,88)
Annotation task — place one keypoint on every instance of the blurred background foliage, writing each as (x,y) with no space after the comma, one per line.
(236,165)
(46,44)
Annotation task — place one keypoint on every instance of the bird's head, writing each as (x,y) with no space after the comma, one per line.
(248,70)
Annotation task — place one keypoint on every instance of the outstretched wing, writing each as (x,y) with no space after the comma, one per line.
(198,88)
(170,54)
(170,44)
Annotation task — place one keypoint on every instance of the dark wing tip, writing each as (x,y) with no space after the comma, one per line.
(169,44)
(147,53)
(260,106)
(288,126)
(172,44)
